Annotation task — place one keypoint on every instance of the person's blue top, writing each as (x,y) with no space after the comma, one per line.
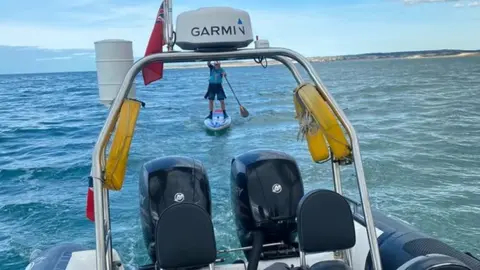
(215,75)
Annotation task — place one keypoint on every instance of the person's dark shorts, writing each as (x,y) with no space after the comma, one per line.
(215,89)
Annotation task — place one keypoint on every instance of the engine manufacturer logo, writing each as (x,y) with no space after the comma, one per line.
(276,188)
(179,197)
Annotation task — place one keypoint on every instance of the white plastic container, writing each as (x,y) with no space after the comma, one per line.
(114,57)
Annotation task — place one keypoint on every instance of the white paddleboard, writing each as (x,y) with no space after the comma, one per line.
(217,122)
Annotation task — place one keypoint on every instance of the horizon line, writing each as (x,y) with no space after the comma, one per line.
(195,64)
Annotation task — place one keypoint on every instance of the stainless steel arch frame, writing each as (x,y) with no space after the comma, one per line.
(337,181)
(102,219)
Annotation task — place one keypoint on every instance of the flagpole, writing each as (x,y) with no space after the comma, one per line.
(166,36)
(169,24)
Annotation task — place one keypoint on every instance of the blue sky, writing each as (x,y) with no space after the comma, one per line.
(56,35)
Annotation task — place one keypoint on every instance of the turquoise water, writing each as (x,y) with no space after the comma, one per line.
(418,123)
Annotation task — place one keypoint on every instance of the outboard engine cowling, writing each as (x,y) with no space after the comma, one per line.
(266,187)
(166,181)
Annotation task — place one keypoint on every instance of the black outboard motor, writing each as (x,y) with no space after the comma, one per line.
(266,187)
(165,181)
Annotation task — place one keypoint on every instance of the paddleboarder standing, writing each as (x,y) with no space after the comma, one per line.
(215,88)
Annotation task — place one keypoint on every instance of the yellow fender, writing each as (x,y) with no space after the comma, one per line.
(317,146)
(116,164)
(314,103)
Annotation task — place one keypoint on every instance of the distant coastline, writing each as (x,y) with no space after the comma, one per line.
(353,57)
(447,53)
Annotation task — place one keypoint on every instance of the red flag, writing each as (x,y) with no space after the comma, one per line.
(90,205)
(154,71)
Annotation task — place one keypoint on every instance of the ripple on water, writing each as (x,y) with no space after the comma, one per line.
(418,124)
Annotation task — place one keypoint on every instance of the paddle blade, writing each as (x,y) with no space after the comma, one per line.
(243,111)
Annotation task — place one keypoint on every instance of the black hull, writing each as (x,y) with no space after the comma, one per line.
(401,242)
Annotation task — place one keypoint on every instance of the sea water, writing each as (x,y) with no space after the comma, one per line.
(418,123)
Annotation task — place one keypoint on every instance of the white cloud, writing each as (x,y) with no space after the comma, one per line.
(457,5)
(77,3)
(54,58)
(59,38)
(106,21)
(83,54)
(117,14)
(471,4)
(427,1)
(413,2)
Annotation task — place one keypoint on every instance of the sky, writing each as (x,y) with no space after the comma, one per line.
(58,35)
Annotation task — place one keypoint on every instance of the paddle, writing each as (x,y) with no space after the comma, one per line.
(243,111)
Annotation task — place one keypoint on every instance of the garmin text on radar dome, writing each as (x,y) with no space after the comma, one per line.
(217,30)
